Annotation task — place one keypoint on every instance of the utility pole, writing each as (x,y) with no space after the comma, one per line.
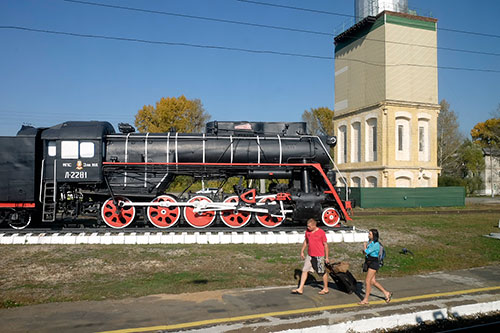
(491,171)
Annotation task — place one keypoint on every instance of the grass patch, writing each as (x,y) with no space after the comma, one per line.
(52,273)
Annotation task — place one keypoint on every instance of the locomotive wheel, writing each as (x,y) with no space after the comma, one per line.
(267,220)
(117,217)
(163,217)
(198,220)
(234,218)
(21,221)
(331,217)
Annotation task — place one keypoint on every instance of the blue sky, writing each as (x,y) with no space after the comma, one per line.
(47,79)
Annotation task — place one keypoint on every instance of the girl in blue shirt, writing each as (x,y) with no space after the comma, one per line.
(371,251)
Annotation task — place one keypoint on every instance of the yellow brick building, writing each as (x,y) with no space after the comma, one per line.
(386,101)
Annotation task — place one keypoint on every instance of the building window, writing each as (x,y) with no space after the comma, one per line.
(371,139)
(403,139)
(400,137)
(423,140)
(371,181)
(356,142)
(356,182)
(342,149)
(403,182)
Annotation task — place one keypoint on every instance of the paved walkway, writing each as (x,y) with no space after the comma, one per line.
(256,310)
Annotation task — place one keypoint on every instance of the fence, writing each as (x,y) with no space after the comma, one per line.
(406,197)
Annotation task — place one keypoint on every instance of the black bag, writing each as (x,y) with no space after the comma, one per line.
(365,266)
(345,281)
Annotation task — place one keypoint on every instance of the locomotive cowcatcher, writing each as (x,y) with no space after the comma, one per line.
(84,168)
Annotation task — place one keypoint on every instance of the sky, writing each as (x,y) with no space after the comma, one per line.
(48,78)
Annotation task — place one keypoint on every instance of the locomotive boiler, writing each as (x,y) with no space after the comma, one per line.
(280,175)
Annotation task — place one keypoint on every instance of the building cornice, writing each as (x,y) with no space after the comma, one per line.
(386,103)
(386,168)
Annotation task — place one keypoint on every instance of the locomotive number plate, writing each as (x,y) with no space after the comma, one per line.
(75,174)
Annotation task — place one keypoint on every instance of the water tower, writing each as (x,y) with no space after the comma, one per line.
(386,97)
(364,8)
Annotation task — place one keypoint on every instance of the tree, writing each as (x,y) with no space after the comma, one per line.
(449,140)
(487,133)
(184,115)
(472,163)
(319,121)
(471,156)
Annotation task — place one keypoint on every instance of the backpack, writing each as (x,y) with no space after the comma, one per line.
(381,255)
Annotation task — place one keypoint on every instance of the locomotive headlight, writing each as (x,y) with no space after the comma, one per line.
(331,141)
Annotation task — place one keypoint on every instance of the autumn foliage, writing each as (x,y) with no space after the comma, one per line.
(169,113)
(487,133)
(319,121)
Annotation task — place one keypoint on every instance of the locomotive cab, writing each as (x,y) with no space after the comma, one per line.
(72,159)
(73,151)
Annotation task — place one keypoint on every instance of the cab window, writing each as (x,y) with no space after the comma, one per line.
(69,149)
(52,150)
(86,149)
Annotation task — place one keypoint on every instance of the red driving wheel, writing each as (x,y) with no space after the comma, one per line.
(117,217)
(164,217)
(198,220)
(267,220)
(234,218)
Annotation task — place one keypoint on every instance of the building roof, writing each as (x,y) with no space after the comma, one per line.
(495,152)
(370,23)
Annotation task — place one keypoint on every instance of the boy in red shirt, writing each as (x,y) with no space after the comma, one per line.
(317,256)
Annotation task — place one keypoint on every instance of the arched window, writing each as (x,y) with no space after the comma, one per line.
(371,181)
(342,144)
(371,140)
(356,142)
(402,139)
(356,182)
(403,182)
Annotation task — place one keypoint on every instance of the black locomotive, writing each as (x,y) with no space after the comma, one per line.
(77,169)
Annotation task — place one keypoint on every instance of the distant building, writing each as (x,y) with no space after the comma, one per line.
(491,173)
(386,101)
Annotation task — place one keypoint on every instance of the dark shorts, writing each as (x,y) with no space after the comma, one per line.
(372,263)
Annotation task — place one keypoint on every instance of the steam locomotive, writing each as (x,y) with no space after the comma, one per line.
(84,168)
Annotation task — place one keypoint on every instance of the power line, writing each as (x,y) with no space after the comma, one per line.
(199,17)
(225,48)
(347,15)
(271,26)
(296,8)
(74,34)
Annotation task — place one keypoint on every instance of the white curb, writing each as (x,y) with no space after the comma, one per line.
(162,237)
(411,319)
